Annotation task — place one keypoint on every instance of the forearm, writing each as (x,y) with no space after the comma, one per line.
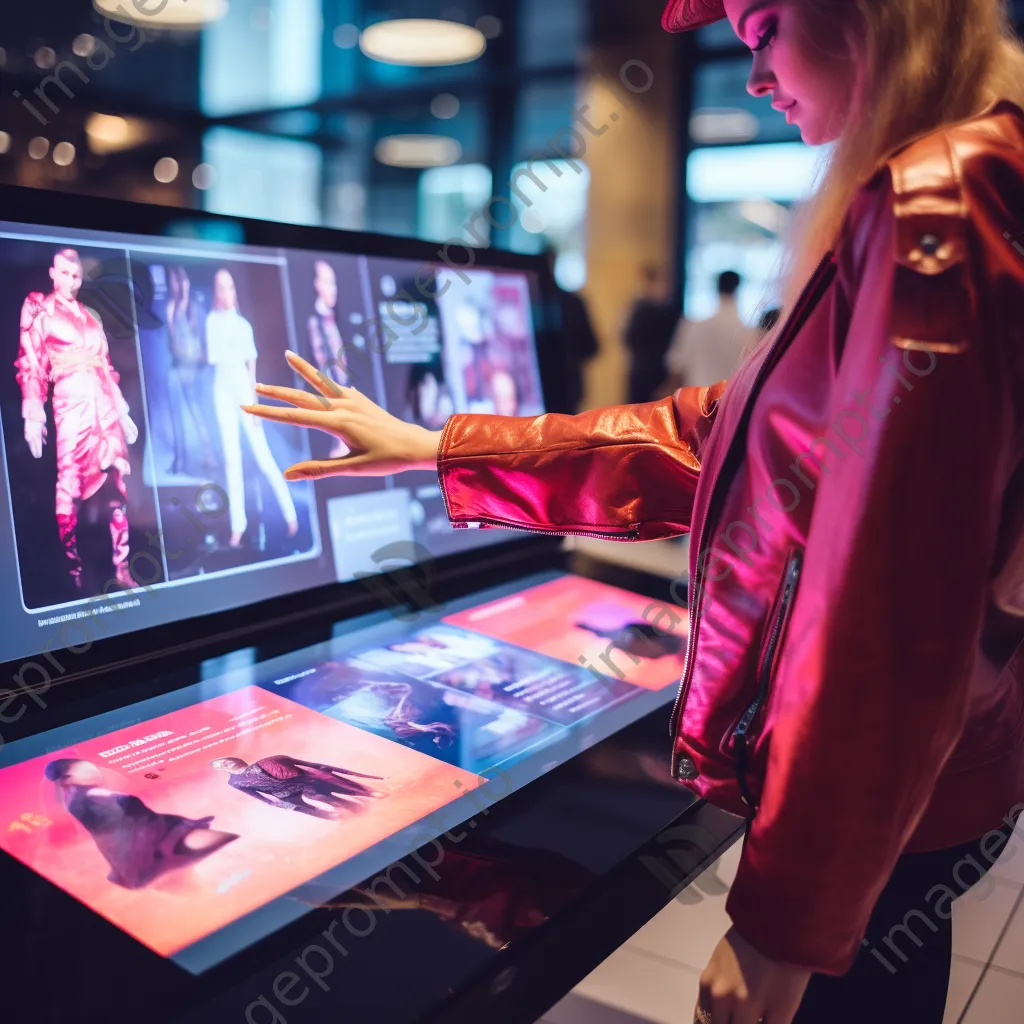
(623,472)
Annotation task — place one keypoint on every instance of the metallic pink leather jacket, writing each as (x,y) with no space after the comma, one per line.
(855,498)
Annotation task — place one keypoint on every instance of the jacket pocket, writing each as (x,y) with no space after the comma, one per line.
(744,733)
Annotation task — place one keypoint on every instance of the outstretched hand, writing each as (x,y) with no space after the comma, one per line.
(380,444)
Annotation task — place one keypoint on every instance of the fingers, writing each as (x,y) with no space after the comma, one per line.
(296,417)
(318,469)
(301,399)
(320,380)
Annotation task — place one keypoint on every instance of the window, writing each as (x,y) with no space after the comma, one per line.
(448,198)
(740,201)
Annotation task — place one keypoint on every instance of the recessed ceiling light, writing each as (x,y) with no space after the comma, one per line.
(83,45)
(45,57)
(5,142)
(444,106)
(422,42)
(490,26)
(417,151)
(63,154)
(182,14)
(166,170)
(346,37)
(38,147)
(204,176)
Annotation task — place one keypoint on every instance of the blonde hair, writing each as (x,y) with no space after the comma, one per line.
(921,64)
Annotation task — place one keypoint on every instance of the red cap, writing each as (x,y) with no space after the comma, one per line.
(683,15)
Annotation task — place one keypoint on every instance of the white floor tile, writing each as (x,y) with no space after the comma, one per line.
(963,978)
(998,1000)
(980,916)
(647,987)
(1010,865)
(687,932)
(1010,952)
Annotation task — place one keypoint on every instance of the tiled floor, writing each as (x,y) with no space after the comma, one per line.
(653,978)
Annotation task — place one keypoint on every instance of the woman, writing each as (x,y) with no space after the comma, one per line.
(138,844)
(428,400)
(185,339)
(231,350)
(857,701)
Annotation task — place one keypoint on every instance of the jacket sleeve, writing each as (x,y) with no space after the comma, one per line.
(624,472)
(33,363)
(870,691)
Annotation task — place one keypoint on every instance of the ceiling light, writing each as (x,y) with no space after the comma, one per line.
(166,170)
(346,37)
(63,154)
(5,142)
(444,106)
(38,147)
(709,126)
(83,45)
(182,14)
(204,176)
(45,57)
(490,26)
(422,42)
(417,151)
(109,134)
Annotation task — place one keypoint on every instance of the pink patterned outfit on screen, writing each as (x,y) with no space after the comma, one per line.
(63,344)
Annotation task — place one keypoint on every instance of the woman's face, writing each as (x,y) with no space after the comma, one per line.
(801,60)
(224,296)
(82,773)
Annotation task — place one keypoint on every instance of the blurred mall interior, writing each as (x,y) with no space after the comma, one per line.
(588,133)
(272,109)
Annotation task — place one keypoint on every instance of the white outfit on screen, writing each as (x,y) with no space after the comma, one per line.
(704,352)
(230,345)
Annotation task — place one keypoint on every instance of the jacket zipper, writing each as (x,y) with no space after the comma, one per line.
(742,731)
(818,282)
(628,535)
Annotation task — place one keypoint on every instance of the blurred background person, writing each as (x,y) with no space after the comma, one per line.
(706,351)
(231,350)
(769,318)
(648,334)
(569,332)
(184,335)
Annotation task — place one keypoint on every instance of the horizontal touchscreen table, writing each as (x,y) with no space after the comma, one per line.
(199,821)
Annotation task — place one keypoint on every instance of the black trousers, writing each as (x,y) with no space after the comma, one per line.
(902,971)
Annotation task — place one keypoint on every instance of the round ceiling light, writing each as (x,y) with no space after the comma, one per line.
(417,151)
(181,14)
(422,42)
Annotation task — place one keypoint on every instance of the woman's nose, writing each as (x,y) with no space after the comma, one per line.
(761,82)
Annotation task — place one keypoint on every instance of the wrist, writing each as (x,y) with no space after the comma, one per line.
(425,448)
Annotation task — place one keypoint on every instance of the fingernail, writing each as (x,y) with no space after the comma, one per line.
(260,387)
(289,354)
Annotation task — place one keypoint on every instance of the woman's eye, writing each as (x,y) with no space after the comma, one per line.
(766,39)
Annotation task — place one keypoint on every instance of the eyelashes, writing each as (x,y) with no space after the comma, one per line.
(766,39)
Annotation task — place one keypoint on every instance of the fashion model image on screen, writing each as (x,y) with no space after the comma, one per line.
(71,338)
(853,682)
(224,502)
(325,339)
(139,844)
(185,323)
(293,785)
(231,348)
